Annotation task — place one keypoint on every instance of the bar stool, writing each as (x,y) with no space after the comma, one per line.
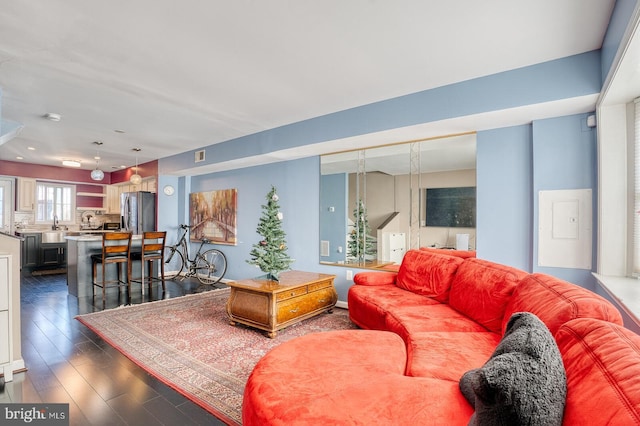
(116,249)
(152,248)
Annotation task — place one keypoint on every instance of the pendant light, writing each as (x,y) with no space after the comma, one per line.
(97,174)
(136,179)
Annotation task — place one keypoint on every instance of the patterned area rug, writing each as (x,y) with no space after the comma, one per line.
(188,343)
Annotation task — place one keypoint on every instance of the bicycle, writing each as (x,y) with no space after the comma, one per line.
(208,267)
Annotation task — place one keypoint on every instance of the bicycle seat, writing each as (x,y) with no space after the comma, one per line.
(205,240)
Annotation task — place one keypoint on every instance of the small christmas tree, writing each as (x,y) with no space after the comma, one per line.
(270,254)
(360,242)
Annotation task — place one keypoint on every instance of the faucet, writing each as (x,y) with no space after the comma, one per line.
(55,223)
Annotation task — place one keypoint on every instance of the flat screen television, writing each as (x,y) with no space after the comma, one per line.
(451,207)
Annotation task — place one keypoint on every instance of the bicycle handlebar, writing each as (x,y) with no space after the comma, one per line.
(205,240)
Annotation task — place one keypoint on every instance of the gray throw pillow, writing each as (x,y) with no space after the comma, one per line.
(524,381)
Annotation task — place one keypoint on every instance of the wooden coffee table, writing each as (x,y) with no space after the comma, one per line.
(273,305)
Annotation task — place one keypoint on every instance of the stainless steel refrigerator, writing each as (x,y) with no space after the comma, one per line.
(138,211)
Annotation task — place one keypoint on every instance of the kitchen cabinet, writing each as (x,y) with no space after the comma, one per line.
(149,185)
(26,194)
(30,250)
(113,199)
(113,192)
(6,312)
(53,255)
(36,254)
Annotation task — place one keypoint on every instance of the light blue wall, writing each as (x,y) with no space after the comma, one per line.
(168,215)
(504,201)
(506,160)
(297,185)
(565,157)
(513,165)
(333,224)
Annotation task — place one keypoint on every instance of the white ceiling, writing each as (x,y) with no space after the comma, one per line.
(176,76)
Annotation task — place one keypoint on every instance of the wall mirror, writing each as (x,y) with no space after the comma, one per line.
(379,202)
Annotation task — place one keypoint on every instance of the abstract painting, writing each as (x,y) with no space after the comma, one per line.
(213,215)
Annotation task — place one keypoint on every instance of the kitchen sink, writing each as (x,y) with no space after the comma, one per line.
(49,237)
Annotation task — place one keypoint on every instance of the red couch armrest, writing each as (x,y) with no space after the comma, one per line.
(375,278)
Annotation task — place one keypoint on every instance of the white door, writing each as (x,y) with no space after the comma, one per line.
(6,202)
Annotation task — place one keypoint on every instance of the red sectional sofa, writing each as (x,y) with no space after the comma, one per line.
(424,327)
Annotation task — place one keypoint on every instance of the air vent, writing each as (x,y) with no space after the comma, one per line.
(199,156)
(324,248)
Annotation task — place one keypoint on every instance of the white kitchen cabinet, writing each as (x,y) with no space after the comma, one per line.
(26,194)
(149,185)
(6,334)
(113,199)
(113,192)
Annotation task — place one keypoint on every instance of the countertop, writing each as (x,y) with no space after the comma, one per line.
(81,231)
(12,236)
(94,237)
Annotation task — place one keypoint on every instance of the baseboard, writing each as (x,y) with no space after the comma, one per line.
(342,304)
(18,365)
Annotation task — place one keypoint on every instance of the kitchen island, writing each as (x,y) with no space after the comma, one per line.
(79,267)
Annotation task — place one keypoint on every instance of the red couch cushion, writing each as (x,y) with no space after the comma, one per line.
(448,355)
(426,273)
(481,290)
(409,319)
(555,302)
(602,362)
(369,305)
(375,278)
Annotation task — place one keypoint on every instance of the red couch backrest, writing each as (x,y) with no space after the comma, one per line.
(602,362)
(429,274)
(555,302)
(458,253)
(481,290)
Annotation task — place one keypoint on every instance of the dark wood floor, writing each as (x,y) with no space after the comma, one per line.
(68,363)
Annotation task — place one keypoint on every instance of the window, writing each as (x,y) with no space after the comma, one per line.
(55,200)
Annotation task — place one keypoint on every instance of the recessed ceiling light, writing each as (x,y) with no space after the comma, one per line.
(71,163)
(30,148)
(119,131)
(52,116)
(19,158)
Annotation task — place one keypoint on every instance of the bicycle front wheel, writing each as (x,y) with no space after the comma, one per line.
(173,262)
(211,266)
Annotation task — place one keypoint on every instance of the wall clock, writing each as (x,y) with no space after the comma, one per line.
(168,190)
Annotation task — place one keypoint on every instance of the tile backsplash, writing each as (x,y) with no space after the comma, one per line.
(97,218)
